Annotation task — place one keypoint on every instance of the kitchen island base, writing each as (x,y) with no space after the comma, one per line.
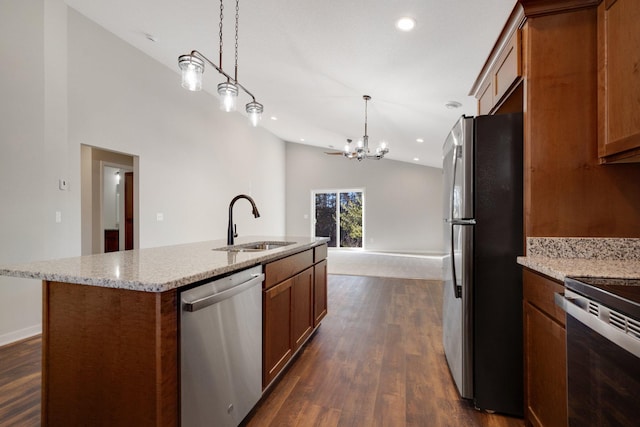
(109,356)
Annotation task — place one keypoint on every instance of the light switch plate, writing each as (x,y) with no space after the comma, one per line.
(159,216)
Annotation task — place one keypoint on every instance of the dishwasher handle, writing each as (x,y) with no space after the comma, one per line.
(214,298)
(601,321)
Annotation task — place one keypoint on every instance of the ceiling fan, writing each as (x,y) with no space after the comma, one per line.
(340,153)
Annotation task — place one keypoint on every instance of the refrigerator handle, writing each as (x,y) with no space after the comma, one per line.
(457,290)
(453,180)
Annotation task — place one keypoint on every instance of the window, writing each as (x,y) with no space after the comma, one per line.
(339,215)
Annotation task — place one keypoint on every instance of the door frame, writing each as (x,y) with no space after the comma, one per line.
(338,191)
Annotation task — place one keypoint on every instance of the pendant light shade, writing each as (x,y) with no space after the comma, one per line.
(192,68)
(228,96)
(254,110)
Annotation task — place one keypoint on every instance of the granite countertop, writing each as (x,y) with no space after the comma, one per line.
(559,257)
(157,269)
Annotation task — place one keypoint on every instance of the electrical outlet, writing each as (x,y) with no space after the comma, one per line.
(58,217)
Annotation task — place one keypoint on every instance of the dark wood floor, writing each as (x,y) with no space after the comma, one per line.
(377,360)
(20,383)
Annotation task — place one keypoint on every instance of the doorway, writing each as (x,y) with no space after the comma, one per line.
(117,207)
(339,215)
(109,200)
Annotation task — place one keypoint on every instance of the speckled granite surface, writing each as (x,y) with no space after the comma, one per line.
(156,269)
(588,257)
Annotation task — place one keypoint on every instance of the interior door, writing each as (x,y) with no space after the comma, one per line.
(128,211)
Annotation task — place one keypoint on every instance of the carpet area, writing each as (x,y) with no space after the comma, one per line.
(379,264)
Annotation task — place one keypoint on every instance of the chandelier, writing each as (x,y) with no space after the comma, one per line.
(192,67)
(361,149)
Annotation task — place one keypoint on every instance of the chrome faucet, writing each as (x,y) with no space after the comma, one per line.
(231,230)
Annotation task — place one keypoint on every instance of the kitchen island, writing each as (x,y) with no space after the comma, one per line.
(111,332)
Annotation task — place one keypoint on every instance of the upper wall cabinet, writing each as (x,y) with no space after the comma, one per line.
(619,81)
(503,68)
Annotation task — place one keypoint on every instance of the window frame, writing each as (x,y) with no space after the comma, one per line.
(337,192)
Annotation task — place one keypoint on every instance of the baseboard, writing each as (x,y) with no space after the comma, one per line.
(20,334)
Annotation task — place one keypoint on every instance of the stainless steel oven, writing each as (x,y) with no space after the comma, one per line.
(603,351)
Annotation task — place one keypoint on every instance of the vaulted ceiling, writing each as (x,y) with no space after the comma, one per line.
(310,62)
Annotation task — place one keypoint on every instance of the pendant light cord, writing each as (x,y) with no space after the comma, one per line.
(237,18)
(221,18)
(366,103)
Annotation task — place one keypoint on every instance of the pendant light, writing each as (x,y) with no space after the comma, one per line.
(361,151)
(192,67)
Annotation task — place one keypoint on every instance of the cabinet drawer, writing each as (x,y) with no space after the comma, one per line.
(539,291)
(319,253)
(508,67)
(277,271)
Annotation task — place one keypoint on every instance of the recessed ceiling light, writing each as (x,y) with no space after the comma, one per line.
(452,105)
(274,118)
(405,23)
(415,159)
(419,140)
(301,139)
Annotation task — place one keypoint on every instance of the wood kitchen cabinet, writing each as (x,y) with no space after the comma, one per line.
(567,191)
(503,69)
(544,352)
(319,284)
(277,343)
(301,307)
(619,81)
(319,292)
(294,303)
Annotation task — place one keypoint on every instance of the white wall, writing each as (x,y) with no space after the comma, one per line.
(68,82)
(22,220)
(193,158)
(403,201)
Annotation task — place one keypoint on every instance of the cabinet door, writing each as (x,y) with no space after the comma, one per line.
(278,346)
(302,307)
(485,100)
(545,369)
(319,292)
(618,82)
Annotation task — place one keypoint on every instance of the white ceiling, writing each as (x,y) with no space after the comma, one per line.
(310,61)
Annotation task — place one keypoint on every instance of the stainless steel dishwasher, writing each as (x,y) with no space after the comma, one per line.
(221,349)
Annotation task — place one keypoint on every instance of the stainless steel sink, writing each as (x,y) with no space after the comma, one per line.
(254,246)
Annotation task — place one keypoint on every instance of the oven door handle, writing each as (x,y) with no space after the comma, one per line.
(576,306)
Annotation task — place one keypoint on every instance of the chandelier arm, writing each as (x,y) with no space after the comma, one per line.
(199,55)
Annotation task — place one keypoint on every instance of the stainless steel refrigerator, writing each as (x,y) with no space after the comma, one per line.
(483,226)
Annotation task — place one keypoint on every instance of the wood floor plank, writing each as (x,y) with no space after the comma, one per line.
(20,383)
